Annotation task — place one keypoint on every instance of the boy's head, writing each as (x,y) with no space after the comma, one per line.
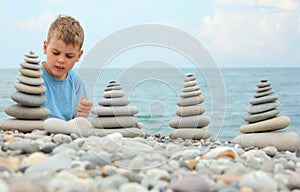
(67,29)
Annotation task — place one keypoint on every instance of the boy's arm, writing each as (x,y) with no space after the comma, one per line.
(84,107)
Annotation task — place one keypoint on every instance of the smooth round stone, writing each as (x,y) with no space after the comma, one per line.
(113,83)
(189,77)
(265,99)
(32,60)
(126,132)
(262,107)
(114,102)
(30,80)
(190,183)
(261,94)
(114,122)
(261,116)
(190,133)
(282,140)
(190,122)
(76,125)
(28,100)
(113,88)
(30,89)
(190,94)
(189,84)
(22,125)
(114,111)
(263,84)
(275,123)
(189,89)
(31,55)
(190,110)
(31,73)
(22,112)
(30,66)
(263,89)
(190,101)
(113,94)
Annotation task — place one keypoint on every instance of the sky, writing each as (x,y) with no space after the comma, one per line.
(236,33)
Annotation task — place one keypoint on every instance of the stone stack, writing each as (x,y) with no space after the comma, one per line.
(28,113)
(191,121)
(114,113)
(264,120)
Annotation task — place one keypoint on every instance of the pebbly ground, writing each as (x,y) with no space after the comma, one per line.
(39,161)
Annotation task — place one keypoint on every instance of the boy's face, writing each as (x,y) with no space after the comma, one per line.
(60,57)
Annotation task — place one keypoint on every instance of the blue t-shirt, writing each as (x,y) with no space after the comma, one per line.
(63,96)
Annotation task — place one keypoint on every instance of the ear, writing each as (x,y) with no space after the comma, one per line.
(79,55)
(45,45)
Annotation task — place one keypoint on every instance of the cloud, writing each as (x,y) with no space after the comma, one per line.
(37,24)
(260,30)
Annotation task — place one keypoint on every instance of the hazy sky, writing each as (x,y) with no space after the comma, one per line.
(237,33)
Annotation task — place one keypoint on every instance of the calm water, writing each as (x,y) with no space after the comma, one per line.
(155,93)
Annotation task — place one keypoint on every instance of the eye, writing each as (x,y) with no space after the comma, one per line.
(55,53)
(70,56)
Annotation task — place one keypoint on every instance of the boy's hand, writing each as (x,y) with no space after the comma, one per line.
(84,107)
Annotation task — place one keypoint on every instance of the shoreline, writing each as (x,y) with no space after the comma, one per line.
(151,163)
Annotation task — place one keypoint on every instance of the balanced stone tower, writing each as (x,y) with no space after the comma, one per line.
(264,121)
(191,121)
(114,113)
(28,113)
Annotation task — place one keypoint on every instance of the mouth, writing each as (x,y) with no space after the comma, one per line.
(59,67)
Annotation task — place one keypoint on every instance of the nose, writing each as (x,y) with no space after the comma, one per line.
(61,60)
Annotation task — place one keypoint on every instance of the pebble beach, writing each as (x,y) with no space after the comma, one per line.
(40,161)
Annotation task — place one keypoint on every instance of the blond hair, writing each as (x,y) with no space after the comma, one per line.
(67,29)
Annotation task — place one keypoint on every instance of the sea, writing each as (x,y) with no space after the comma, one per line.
(155,92)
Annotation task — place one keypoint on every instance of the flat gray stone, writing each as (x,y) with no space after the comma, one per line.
(50,165)
(263,84)
(190,133)
(190,101)
(190,122)
(190,110)
(261,94)
(114,122)
(190,94)
(114,102)
(113,88)
(28,100)
(22,125)
(31,55)
(113,83)
(30,80)
(265,99)
(30,66)
(82,127)
(31,73)
(261,116)
(189,77)
(22,112)
(126,132)
(282,140)
(190,183)
(189,84)
(262,89)
(32,60)
(30,89)
(273,124)
(114,111)
(189,89)
(113,94)
(252,109)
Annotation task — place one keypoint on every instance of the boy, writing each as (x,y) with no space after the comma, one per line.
(66,93)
